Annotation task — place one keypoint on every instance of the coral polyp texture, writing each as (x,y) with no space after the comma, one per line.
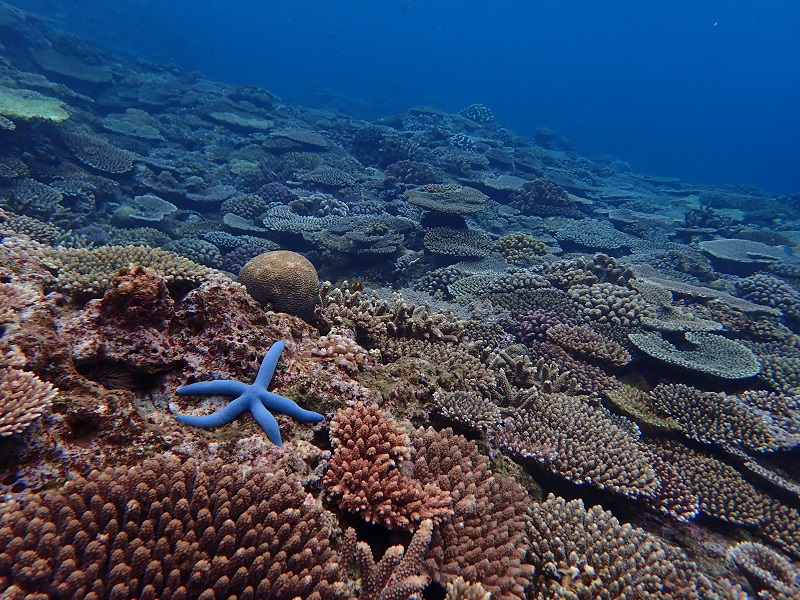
(286,280)
(23,399)
(587,553)
(508,336)
(366,473)
(168,528)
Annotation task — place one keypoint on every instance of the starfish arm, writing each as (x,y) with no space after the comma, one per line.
(267,368)
(268,423)
(288,407)
(222,387)
(221,417)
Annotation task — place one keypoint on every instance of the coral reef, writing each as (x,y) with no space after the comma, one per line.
(473,289)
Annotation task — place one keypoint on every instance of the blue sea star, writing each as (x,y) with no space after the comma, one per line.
(254,398)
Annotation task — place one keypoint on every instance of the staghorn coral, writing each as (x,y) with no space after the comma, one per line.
(588,377)
(372,318)
(588,553)
(366,477)
(464,590)
(486,538)
(400,573)
(88,272)
(166,528)
(711,353)
(23,399)
(720,418)
(283,279)
(774,575)
(516,368)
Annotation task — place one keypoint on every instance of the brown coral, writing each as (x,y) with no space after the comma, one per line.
(23,399)
(588,553)
(88,272)
(286,280)
(585,341)
(170,528)
(720,418)
(586,444)
(486,538)
(365,474)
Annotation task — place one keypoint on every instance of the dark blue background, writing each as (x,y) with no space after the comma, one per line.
(703,90)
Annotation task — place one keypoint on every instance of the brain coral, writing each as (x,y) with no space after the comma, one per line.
(284,279)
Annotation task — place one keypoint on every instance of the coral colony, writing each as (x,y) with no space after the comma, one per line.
(535,374)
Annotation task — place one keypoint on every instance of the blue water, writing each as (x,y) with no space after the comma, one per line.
(705,91)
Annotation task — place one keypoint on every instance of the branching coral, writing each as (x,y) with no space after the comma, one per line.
(170,528)
(588,553)
(366,477)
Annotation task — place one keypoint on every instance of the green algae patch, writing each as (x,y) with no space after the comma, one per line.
(27,104)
